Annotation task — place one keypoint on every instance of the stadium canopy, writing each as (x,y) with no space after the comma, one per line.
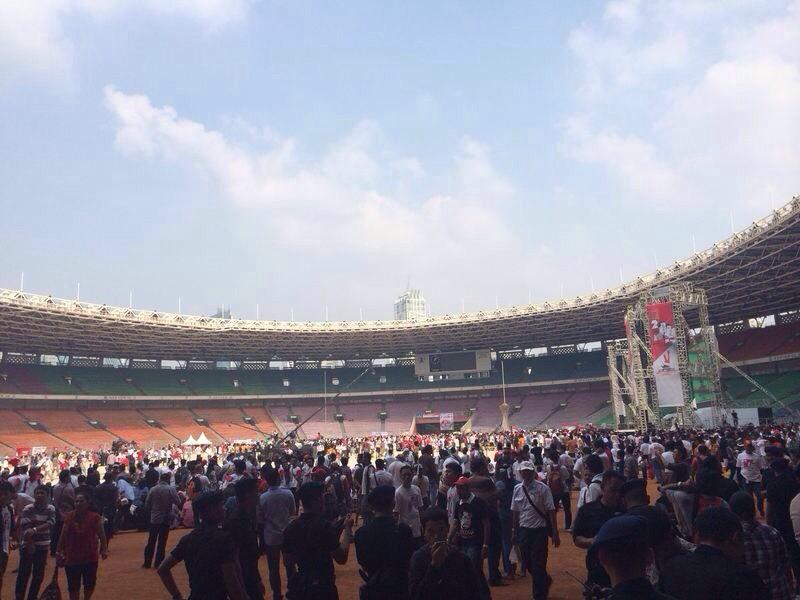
(754,272)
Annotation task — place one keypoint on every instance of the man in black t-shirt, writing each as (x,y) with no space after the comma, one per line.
(470,530)
(383,549)
(209,555)
(591,517)
(241,524)
(312,543)
(714,571)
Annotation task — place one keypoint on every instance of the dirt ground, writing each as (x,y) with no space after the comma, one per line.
(121,576)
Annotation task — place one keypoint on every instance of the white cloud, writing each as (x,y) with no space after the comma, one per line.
(34,45)
(630,160)
(409,166)
(611,61)
(335,200)
(727,128)
(31,39)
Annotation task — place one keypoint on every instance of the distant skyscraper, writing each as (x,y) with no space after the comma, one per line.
(411,305)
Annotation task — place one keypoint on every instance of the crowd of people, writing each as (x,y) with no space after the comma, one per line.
(661,514)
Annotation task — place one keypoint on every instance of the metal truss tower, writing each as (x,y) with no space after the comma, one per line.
(633,390)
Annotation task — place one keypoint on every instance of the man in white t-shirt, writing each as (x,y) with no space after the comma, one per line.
(408,503)
(749,464)
(394,469)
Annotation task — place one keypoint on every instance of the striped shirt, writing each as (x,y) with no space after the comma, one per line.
(34,517)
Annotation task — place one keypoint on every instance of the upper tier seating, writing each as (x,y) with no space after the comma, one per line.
(108,381)
(759,343)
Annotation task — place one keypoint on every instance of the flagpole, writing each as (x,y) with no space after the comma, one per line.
(503,375)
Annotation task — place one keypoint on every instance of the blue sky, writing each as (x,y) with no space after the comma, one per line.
(304,155)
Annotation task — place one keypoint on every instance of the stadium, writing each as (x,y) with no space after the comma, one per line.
(81,375)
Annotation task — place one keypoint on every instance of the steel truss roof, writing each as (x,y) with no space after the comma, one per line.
(752,273)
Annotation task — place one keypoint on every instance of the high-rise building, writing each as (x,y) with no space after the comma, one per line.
(410,306)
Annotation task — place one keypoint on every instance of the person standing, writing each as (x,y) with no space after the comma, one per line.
(160,500)
(470,530)
(77,547)
(484,487)
(534,521)
(764,549)
(277,507)
(312,543)
(623,550)
(630,464)
(428,465)
(106,498)
(439,570)
(384,548)
(558,482)
(209,554)
(64,502)
(35,525)
(780,491)
(505,491)
(6,526)
(750,464)
(408,502)
(713,571)
(591,517)
(241,525)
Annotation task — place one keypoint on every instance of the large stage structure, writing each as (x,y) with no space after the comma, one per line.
(668,361)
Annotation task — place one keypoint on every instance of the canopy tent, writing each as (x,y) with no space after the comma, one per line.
(190,441)
(203,440)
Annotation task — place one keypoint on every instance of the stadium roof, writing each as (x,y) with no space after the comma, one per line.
(752,273)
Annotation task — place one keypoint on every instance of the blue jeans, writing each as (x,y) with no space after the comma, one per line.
(474,555)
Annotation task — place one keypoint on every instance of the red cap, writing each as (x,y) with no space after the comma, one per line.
(462,481)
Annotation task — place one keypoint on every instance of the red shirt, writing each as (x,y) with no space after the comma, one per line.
(81,538)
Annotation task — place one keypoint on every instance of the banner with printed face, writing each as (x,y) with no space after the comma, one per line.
(446,421)
(661,324)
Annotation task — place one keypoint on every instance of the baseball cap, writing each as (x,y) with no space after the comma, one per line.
(462,481)
(625,527)
(526,465)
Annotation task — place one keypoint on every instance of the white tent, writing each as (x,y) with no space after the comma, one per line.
(203,440)
(190,441)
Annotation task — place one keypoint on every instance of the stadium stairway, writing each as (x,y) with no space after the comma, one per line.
(556,409)
(210,424)
(44,430)
(262,427)
(164,426)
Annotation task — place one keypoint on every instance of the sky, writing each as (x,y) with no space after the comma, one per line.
(299,159)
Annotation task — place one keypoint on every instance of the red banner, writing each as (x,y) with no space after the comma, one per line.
(661,331)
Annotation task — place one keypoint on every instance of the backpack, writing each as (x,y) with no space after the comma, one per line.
(554,480)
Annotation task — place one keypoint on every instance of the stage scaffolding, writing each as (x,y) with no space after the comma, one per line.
(634,397)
